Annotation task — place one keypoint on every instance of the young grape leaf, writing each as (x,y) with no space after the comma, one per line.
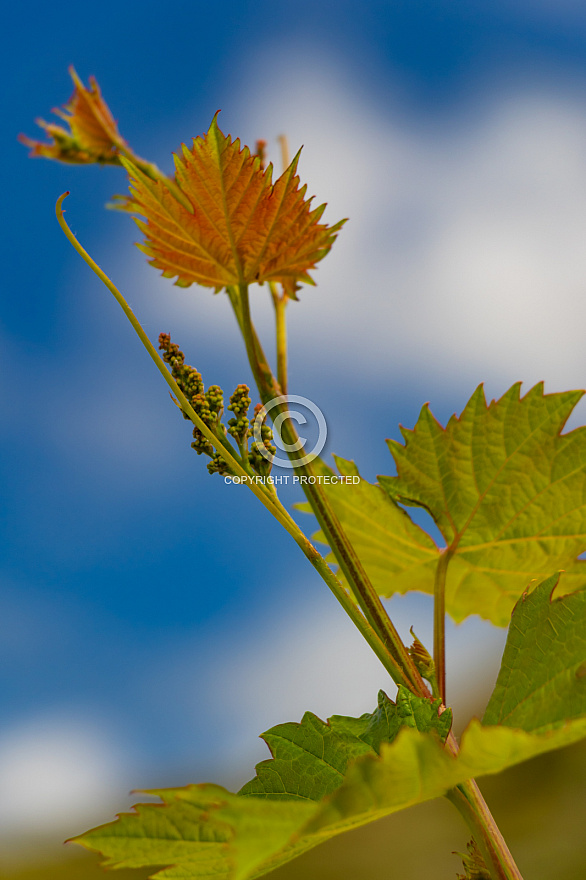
(507,491)
(397,554)
(310,759)
(93,135)
(207,832)
(542,681)
(226,223)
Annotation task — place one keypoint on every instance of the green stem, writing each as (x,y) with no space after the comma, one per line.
(468,800)
(268,499)
(405,671)
(219,446)
(497,857)
(280,304)
(439,622)
(259,356)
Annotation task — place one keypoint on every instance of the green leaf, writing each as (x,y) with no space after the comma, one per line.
(397,554)
(507,491)
(415,768)
(542,681)
(409,711)
(202,831)
(207,832)
(310,759)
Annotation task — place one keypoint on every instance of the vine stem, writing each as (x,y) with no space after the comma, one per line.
(374,624)
(439,621)
(467,797)
(469,802)
(268,499)
(405,671)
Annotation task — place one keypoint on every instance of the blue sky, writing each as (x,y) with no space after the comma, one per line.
(149,614)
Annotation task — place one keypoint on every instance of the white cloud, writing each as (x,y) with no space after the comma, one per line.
(59,775)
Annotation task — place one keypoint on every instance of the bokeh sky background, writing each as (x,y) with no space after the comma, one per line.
(153,621)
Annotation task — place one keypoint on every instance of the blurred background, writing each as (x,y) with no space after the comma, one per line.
(153,621)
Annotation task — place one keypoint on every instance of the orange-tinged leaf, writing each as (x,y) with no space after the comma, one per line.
(93,135)
(225,222)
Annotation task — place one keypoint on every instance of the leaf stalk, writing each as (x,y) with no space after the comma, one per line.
(404,669)
(280,304)
(439,621)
